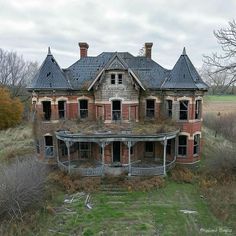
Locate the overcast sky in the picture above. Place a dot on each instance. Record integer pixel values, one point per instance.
(30, 26)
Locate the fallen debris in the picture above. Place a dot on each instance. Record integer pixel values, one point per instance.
(87, 203)
(188, 212)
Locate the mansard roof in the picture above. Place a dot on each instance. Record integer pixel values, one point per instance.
(184, 75)
(149, 74)
(50, 75)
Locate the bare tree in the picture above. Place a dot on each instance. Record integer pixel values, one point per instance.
(15, 72)
(224, 65)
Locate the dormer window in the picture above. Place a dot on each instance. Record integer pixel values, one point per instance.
(113, 79)
(120, 79)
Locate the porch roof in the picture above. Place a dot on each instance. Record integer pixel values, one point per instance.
(110, 137)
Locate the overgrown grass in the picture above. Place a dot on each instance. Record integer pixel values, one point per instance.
(16, 141)
(133, 213)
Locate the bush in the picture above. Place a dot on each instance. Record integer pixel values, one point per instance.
(22, 186)
(11, 110)
(182, 174)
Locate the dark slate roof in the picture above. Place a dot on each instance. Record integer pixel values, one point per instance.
(184, 76)
(82, 73)
(50, 76)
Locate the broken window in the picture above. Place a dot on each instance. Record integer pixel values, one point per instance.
(150, 108)
(113, 79)
(47, 110)
(63, 148)
(48, 146)
(169, 108)
(62, 109)
(116, 110)
(182, 147)
(120, 79)
(83, 105)
(84, 150)
(183, 110)
(196, 144)
(168, 147)
(198, 105)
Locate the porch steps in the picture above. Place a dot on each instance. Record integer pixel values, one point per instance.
(113, 187)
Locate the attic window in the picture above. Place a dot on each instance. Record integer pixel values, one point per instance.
(49, 73)
(113, 79)
(120, 81)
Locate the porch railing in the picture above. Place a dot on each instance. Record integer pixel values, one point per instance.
(158, 170)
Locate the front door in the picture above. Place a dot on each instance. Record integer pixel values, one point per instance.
(116, 151)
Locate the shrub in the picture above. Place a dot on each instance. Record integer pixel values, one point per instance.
(11, 110)
(21, 186)
(182, 174)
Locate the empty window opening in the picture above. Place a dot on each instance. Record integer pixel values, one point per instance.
(47, 110)
(84, 150)
(198, 106)
(169, 108)
(116, 110)
(120, 79)
(149, 147)
(113, 79)
(37, 146)
(196, 144)
(168, 147)
(62, 109)
(182, 147)
(83, 104)
(48, 146)
(183, 110)
(150, 108)
(63, 148)
(131, 150)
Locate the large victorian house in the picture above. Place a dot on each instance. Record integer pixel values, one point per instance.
(116, 112)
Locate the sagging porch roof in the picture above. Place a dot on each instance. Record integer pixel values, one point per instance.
(110, 137)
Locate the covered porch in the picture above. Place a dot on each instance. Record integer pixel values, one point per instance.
(107, 153)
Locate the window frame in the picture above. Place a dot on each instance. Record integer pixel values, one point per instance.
(151, 111)
(81, 110)
(61, 110)
(183, 112)
(86, 151)
(120, 78)
(183, 146)
(119, 112)
(113, 79)
(48, 149)
(198, 109)
(196, 145)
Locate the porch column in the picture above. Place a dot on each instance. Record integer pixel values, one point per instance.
(164, 157)
(129, 158)
(68, 151)
(103, 153)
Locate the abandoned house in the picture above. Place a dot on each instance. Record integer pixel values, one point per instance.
(116, 113)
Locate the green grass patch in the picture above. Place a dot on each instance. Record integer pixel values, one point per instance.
(134, 213)
(221, 98)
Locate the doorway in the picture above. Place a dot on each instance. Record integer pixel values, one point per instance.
(116, 151)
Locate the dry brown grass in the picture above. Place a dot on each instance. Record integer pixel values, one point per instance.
(15, 142)
(182, 174)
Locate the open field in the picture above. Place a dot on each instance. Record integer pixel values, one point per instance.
(222, 104)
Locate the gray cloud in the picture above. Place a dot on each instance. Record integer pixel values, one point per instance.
(30, 26)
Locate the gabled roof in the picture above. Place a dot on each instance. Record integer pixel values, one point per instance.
(50, 75)
(184, 76)
(150, 75)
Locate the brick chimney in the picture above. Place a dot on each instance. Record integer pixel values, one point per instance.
(83, 49)
(148, 50)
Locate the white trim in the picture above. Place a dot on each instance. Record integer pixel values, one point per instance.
(48, 134)
(197, 132)
(45, 99)
(170, 98)
(186, 134)
(151, 97)
(62, 98)
(116, 98)
(123, 102)
(83, 97)
(185, 98)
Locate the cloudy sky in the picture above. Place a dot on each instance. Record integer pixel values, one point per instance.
(30, 26)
